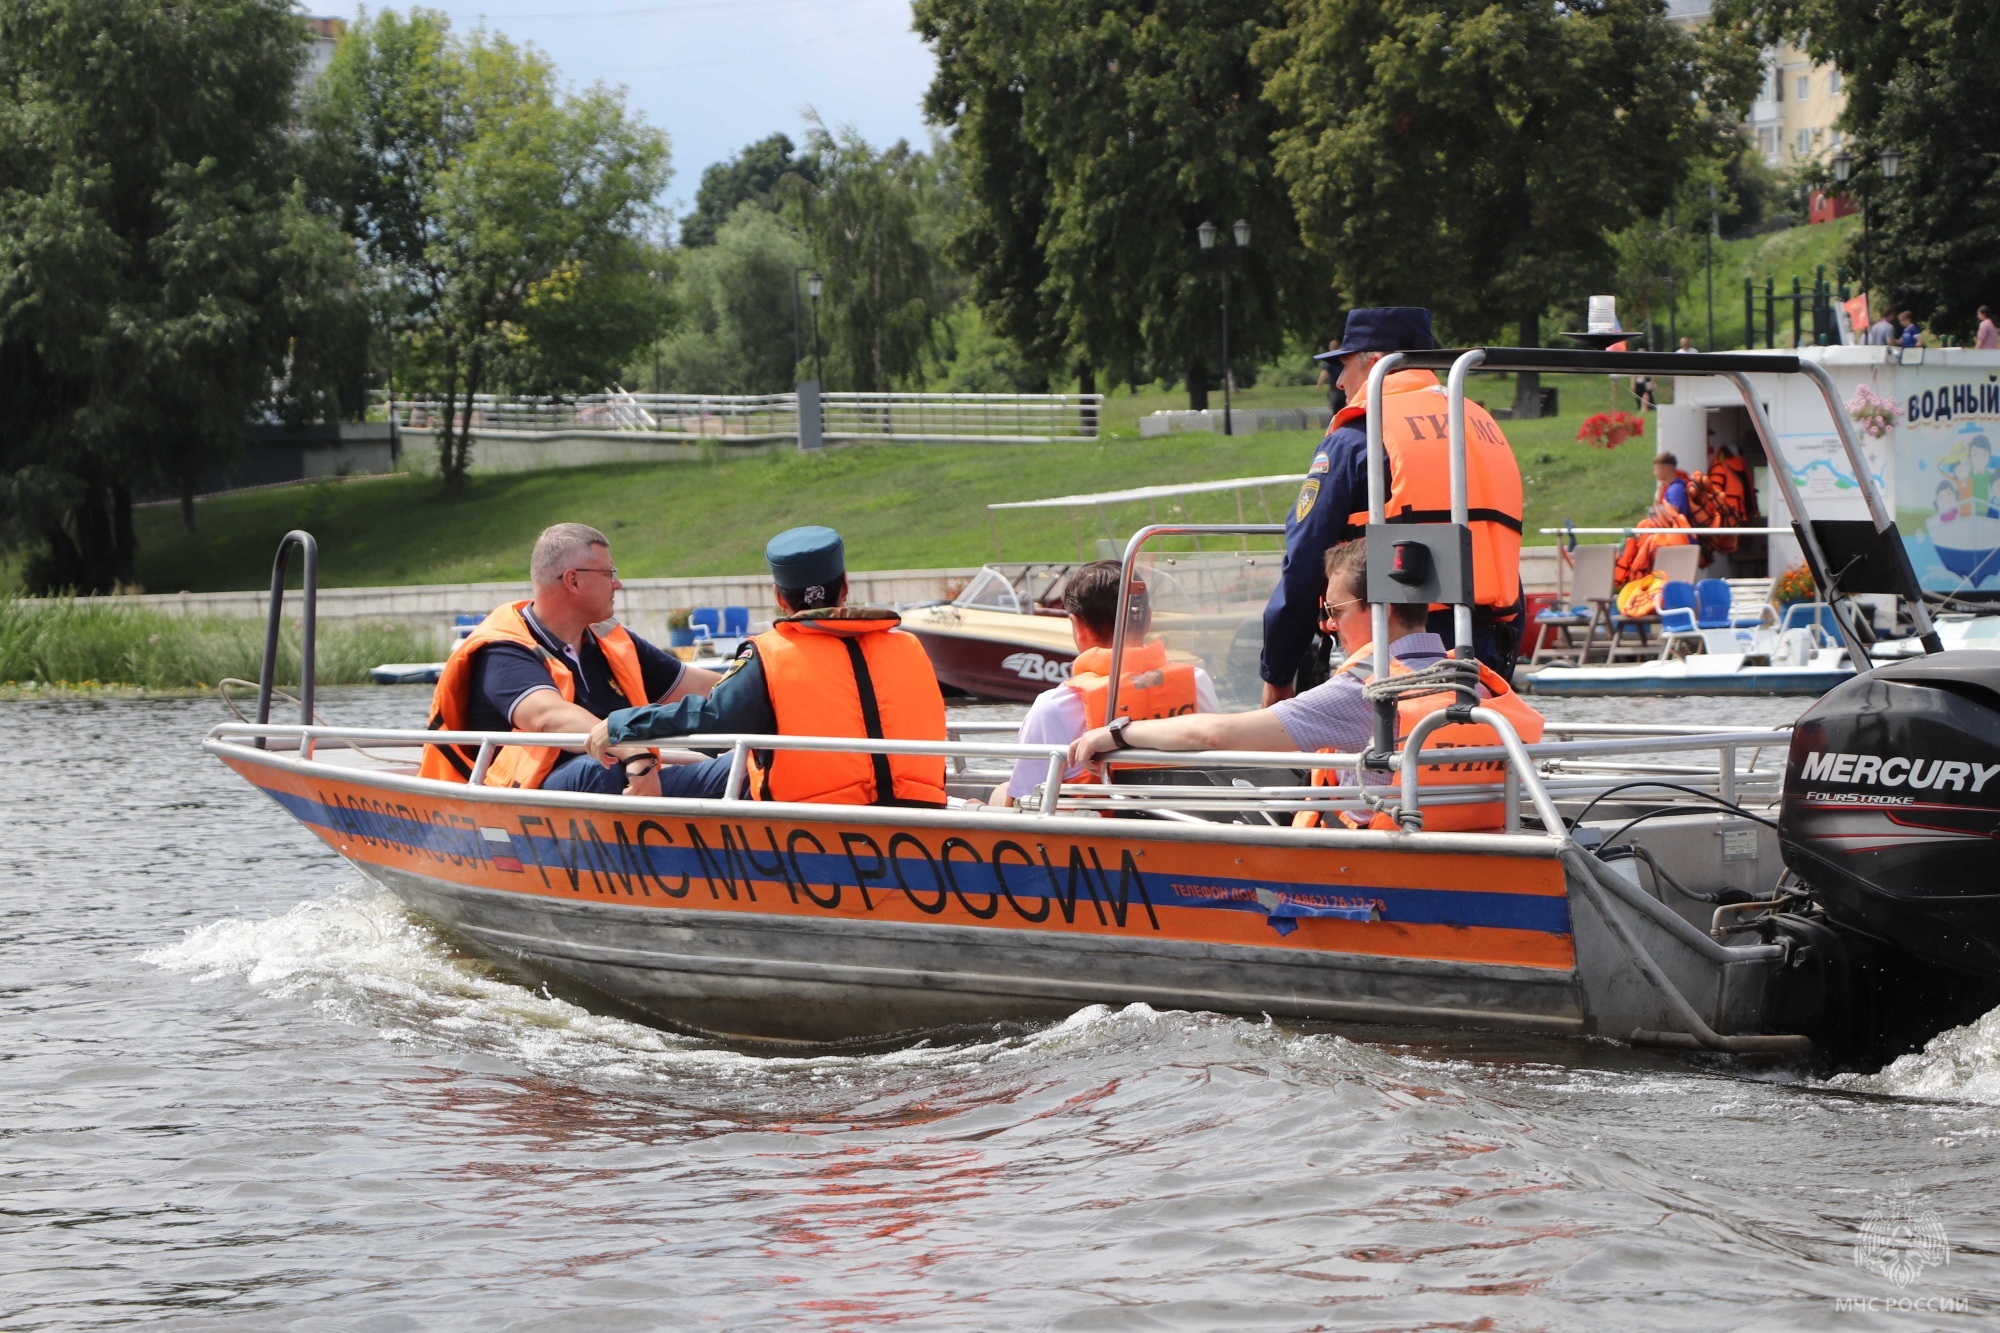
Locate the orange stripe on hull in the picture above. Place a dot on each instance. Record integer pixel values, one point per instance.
(1455, 907)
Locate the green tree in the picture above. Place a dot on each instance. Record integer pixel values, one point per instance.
(753, 176)
(1097, 136)
(1476, 156)
(159, 271)
(736, 332)
(506, 222)
(865, 225)
(1919, 77)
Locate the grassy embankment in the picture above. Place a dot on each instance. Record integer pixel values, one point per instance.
(65, 646)
(899, 507)
(1781, 255)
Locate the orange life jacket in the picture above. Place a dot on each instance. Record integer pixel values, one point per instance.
(849, 672)
(1635, 558)
(1732, 504)
(515, 765)
(1713, 504)
(1414, 434)
(1733, 474)
(1443, 775)
(1150, 686)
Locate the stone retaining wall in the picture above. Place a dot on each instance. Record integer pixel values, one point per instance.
(644, 604)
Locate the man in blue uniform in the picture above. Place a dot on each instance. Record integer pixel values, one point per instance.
(1335, 490)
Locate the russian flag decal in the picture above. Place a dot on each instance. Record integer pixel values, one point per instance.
(500, 846)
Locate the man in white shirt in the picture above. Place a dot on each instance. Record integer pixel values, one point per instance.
(1150, 685)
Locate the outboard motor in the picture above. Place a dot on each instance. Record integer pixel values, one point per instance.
(1891, 817)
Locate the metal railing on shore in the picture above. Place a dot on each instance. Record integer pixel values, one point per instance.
(963, 418)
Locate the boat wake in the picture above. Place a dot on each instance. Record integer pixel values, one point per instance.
(360, 958)
(1960, 1065)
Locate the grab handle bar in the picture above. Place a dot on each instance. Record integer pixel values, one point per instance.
(267, 677)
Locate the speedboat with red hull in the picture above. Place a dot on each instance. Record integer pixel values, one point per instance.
(1814, 890)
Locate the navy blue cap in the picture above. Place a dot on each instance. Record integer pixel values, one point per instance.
(806, 558)
(1384, 328)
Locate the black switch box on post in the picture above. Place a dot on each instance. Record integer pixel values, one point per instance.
(1420, 563)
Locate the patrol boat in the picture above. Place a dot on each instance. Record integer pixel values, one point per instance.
(1809, 890)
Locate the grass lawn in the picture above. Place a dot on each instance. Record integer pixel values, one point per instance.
(898, 506)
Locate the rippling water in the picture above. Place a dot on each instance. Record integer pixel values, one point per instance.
(242, 1089)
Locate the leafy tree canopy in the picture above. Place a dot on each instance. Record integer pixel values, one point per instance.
(1919, 77)
(738, 310)
(506, 220)
(1475, 156)
(869, 225)
(160, 276)
(1098, 136)
(753, 176)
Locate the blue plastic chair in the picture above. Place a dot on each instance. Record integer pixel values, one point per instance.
(705, 621)
(735, 621)
(1815, 616)
(1711, 604)
(1678, 597)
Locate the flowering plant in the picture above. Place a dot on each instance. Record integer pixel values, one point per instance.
(1608, 430)
(1794, 585)
(1871, 412)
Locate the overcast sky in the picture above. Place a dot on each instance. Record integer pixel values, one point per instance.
(718, 74)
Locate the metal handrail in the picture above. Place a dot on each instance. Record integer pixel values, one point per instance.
(267, 675)
(1519, 757)
(1133, 546)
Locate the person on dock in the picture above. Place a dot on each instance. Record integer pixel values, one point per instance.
(1334, 717)
(558, 662)
(1671, 488)
(1333, 499)
(1149, 685)
(824, 668)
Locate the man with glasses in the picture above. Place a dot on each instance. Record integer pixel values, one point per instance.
(558, 662)
(1332, 716)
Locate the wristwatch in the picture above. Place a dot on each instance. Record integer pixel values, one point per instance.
(1117, 729)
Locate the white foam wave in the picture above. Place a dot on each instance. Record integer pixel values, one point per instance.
(360, 958)
(1961, 1065)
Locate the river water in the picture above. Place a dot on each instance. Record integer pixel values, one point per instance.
(244, 1090)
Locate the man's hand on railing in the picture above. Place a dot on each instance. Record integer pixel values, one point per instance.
(1085, 748)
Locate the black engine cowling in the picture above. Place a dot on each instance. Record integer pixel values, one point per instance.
(1892, 814)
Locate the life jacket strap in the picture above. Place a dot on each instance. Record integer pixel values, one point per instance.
(871, 720)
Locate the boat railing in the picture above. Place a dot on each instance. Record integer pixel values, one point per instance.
(1538, 775)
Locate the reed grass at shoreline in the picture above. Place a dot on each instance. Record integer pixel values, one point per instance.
(79, 646)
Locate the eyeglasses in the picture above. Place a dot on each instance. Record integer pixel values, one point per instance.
(1328, 612)
(611, 571)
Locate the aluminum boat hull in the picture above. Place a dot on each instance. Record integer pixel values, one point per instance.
(807, 924)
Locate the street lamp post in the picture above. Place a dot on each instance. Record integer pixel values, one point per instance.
(1205, 234)
(1709, 241)
(654, 274)
(814, 286)
(1889, 162)
(1843, 168)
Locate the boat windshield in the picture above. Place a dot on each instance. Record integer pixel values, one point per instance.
(1208, 608)
(991, 590)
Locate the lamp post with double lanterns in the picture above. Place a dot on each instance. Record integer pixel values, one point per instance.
(1206, 234)
(1888, 162)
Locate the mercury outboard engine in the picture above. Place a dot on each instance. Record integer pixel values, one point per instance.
(1891, 817)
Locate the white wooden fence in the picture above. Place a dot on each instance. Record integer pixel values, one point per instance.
(945, 418)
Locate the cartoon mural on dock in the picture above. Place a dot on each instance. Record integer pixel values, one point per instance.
(1948, 480)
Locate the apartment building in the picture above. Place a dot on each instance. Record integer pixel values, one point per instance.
(322, 36)
(1792, 120)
